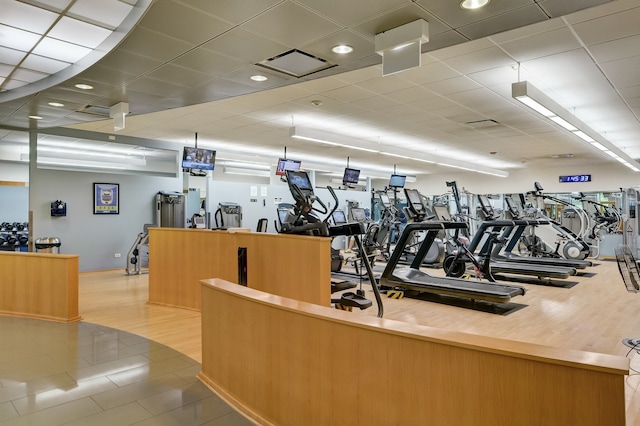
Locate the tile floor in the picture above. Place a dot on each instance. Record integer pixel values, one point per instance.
(86, 374)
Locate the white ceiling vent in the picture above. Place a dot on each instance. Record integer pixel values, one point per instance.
(296, 63)
(482, 124)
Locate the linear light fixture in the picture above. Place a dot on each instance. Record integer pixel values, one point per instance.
(319, 136)
(535, 99)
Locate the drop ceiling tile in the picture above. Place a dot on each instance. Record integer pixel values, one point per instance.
(235, 11)
(386, 84)
(210, 63)
(411, 94)
(562, 7)
(106, 12)
(480, 60)
(241, 44)
(618, 71)
(507, 21)
(429, 73)
(178, 75)
(617, 49)
(145, 43)
(375, 102)
(17, 39)
(78, 32)
(452, 85)
(544, 44)
(349, 94)
(60, 50)
(291, 25)
(443, 40)
(11, 56)
(397, 17)
(451, 14)
(351, 13)
(192, 26)
(27, 17)
(609, 27)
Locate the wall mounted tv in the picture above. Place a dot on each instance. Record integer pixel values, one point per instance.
(198, 158)
(397, 181)
(351, 176)
(285, 164)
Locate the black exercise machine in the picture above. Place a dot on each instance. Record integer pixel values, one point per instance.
(301, 219)
(413, 278)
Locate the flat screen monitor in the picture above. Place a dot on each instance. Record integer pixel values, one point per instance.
(351, 176)
(384, 198)
(358, 214)
(198, 158)
(338, 217)
(397, 181)
(300, 179)
(285, 164)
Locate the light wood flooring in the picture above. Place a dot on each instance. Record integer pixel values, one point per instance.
(594, 315)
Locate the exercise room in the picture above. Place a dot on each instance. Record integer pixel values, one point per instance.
(207, 209)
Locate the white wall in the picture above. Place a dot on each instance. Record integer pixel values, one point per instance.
(14, 172)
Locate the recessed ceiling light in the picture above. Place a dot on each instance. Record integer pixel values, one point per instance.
(56, 104)
(84, 86)
(35, 117)
(473, 4)
(342, 49)
(258, 78)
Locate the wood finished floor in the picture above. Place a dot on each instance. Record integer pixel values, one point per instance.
(594, 315)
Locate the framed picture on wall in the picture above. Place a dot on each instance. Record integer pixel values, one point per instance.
(106, 198)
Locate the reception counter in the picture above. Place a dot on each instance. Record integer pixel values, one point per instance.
(288, 265)
(39, 285)
(286, 362)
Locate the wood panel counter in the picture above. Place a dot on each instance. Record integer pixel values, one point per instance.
(293, 266)
(39, 285)
(286, 362)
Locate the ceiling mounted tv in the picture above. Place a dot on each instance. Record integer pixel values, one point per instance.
(198, 158)
(351, 176)
(397, 181)
(285, 164)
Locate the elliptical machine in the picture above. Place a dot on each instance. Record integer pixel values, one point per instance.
(301, 219)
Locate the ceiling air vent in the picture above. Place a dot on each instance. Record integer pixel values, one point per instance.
(296, 63)
(102, 111)
(482, 124)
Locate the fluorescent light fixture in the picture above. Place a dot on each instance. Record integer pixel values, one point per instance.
(79, 163)
(529, 95)
(35, 117)
(319, 136)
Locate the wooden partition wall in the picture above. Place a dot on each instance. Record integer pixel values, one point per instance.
(293, 363)
(294, 266)
(39, 285)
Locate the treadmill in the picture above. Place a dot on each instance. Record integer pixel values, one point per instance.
(512, 235)
(413, 278)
